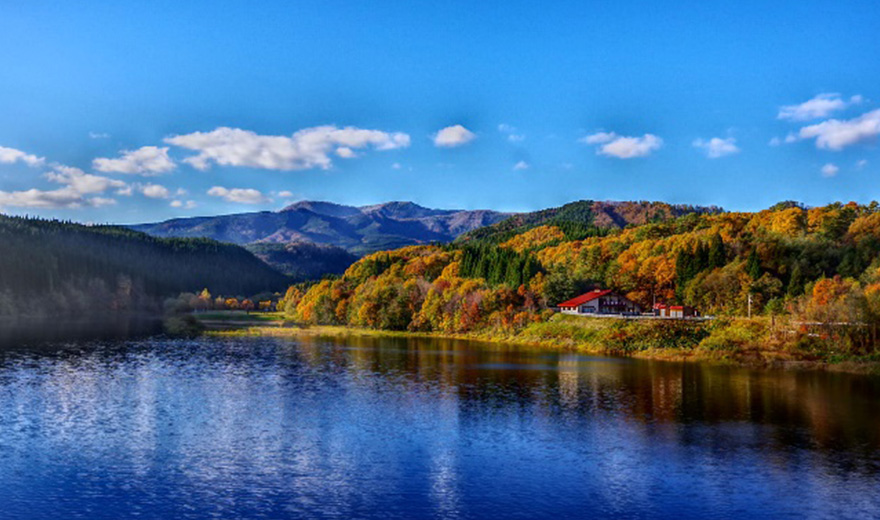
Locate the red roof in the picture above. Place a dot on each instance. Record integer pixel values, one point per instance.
(584, 298)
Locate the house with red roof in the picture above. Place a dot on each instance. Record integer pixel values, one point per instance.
(600, 301)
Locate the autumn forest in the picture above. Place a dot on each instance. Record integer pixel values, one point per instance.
(801, 280)
(815, 269)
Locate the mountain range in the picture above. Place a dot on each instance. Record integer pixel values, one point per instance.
(358, 230)
(309, 239)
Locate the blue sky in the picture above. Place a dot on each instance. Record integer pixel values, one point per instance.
(139, 111)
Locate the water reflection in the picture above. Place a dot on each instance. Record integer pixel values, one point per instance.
(41, 331)
(830, 409)
(412, 428)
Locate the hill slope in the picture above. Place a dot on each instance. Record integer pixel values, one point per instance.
(359, 230)
(303, 260)
(55, 267)
(815, 270)
(585, 218)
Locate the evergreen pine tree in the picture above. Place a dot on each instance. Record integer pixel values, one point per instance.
(530, 269)
(753, 266)
(717, 253)
(684, 270)
(702, 256)
(796, 282)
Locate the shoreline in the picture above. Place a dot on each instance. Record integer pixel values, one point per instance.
(762, 359)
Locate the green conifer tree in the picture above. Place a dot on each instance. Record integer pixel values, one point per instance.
(717, 253)
(753, 266)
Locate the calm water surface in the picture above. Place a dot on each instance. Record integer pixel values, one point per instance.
(415, 428)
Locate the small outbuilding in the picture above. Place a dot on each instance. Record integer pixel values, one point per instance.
(674, 311)
(600, 301)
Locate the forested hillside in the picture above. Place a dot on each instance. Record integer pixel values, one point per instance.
(303, 260)
(49, 267)
(585, 218)
(816, 265)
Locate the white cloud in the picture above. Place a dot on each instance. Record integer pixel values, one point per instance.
(239, 195)
(830, 170)
(623, 147)
(190, 204)
(81, 182)
(717, 147)
(286, 194)
(11, 155)
(453, 136)
(147, 160)
(835, 134)
(861, 164)
(511, 133)
(599, 138)
(97, 202)
(396, 166)
(307, 148)
(820, 106)
(34, 198)
(788, 139)
(345, 152)
(80, 189)
(155, 191)
(98, 135)
(521, 165)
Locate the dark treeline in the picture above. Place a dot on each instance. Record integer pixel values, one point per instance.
(498, 265)
(303, 260)
(689, 263)
(51, 267)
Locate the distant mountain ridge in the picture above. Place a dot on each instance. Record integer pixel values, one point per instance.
(358, 230)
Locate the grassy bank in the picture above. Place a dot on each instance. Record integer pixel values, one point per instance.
(757, 342)
(240, 317)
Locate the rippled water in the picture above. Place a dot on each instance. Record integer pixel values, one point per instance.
(415, 428)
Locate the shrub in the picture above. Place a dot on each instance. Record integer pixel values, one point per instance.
(735, 335)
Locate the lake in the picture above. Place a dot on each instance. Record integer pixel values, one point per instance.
(373, 427)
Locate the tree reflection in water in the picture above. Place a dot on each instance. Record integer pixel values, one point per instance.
(395, 427)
